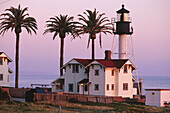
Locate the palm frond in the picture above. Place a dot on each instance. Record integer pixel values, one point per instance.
(93, 23)
(17, 18)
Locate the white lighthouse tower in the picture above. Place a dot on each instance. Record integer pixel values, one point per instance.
(123, 29)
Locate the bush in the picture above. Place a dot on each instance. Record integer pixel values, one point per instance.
(73, 100)
(4, 95)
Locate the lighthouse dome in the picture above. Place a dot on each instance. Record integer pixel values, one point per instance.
(123, 10)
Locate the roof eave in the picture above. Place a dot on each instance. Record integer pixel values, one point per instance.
(9, 70)
(92, 62)
(9, 59)
(69, 62)
(131, 63)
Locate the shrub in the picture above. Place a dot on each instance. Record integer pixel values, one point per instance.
(73, 100)
(4, 95)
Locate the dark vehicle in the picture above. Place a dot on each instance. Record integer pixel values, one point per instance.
(29, 95)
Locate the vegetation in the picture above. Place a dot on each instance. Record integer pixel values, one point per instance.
(79, 107)
(4, 95)
(93, 25)
(16, 19)
(61, 25)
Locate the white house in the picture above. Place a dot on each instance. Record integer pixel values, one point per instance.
(5, 71)
(157, 97)
(106, 77)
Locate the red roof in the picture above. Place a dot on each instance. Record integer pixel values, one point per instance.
(118, 63)
(84, 62)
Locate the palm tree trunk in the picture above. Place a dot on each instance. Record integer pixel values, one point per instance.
(61, 56)
(17, 61)
(93, 52)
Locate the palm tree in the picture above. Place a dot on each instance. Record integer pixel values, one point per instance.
(93, 25)
(16, 19)
(61, 25)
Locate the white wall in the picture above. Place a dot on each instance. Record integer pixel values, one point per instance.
(109, 79)
(73, 78)
(105, 77)
(134, 91)
(153, 98)
(97, 80)
(125, 78)
(5, 72)
(157, 97)
(165, 96)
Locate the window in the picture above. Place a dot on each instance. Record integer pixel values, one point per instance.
(1, 77)
(85, 88)
(125, 86)
(1, 62)
(70, 86)
(69, 66)
(96, 86)
(96, 72)
(57, 87)
(107, 87)
(125, 69)
(61, 86)
(92, 66)
(75, 68)
(77, 88)
(112, 72)
(80, 66)
(112, 86)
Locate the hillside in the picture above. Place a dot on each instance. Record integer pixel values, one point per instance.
(79, 107)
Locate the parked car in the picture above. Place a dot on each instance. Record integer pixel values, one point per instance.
(29, 95)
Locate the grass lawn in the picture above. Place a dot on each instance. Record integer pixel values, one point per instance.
(79, 107)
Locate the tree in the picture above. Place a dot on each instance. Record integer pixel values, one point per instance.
(61, 25)
(16, 19)
(93, 25)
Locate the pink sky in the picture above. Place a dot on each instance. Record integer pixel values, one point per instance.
(39, 54)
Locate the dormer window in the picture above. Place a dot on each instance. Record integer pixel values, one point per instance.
(96, 72)
(75, 68)
(112, 72)
(125, 68)
(1, 61)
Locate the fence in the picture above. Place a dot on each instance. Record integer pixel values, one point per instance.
(18, 92)
(82, 98)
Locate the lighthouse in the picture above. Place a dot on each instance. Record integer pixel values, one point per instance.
(123, 29)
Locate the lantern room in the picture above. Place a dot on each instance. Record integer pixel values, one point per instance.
(123, 22)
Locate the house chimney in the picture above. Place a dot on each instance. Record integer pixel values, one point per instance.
(107, 55)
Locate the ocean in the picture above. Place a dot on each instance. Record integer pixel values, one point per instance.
(149, 82)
